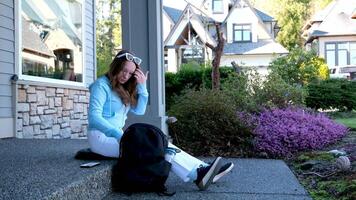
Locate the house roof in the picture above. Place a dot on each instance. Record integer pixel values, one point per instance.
(334, 20)
(195, 22)
(252, 48)
(173, 13)
(264, 16)
(236, 5)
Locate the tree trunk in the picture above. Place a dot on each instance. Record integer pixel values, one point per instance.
(218, 50)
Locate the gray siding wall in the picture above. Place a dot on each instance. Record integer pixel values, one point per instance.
(7, 56)
(90, 48)
(7, 51)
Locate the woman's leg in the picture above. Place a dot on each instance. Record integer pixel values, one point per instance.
(185, 166)
(101, 144)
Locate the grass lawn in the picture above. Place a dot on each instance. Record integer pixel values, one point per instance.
(349, 122)
(346, 118)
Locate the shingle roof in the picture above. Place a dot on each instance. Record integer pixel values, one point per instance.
(173, 13)
(264, 16)
(260, 47)
(334, 20)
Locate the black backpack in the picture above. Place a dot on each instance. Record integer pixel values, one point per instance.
(141, 166)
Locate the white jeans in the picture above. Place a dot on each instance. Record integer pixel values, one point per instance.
(183, 164)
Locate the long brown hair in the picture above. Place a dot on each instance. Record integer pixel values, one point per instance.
(127, 91)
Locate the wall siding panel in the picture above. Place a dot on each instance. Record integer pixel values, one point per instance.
(5, 101)
(6, 68)
(7, 45)
(5, 79)
(6, 10)
(90, 42)
(5, 112)
(7, 22)
(7, 34)
(9, 3)
(7, 57)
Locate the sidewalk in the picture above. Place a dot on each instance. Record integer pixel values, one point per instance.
(46, 169)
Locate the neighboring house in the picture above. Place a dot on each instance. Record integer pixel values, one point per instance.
(48, 60)
(332, 33)
(249, 34)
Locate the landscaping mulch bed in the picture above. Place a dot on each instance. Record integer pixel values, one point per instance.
(320, 174)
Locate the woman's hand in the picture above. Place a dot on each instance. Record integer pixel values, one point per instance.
(140, 76)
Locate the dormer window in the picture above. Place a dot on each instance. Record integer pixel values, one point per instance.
(242, 33)
(218, 6)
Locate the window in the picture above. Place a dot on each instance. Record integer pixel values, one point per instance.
(52, 39)
(193, 53)
(242, 33)
(340, 53)
(218, 6)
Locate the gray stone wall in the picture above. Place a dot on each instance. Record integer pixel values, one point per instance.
(49, 112)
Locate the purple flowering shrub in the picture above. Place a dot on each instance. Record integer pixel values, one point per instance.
(282, 132)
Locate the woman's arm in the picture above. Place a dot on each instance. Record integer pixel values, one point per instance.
(98, 96)
(142, 100)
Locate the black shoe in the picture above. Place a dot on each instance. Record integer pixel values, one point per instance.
(207, 173)
(223, 171)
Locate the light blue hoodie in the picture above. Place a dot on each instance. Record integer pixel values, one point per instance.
(107, 113)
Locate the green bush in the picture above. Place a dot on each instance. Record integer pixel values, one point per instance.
(332, 93)
(242, 89)
(225, 72)
(276, 93)
(300, 67)
(190, 76)
(251, 92)
(207, 125)
(187, 77)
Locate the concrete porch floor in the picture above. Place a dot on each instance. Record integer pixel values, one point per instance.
(46, 169)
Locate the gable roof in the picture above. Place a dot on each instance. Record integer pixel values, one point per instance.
(173, 13)
(253, 48)
(264, 16)
(195, 21)
(234, 7)
(334, 20)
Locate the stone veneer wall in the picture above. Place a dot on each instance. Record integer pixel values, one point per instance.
(49, 112)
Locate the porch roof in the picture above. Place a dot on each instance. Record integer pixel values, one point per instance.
(260, 47)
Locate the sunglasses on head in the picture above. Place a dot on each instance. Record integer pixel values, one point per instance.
(131, 58)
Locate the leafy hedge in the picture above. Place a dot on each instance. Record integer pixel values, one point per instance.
(300, 67)
(332, 93)
(282, 132)
(207, 125)
(190, 77)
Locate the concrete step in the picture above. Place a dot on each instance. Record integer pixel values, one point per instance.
(46, 169)
(251, 179)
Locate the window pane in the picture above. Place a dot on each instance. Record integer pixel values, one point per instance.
(342, 57)
(342, 46)
(246, 27)
(218, 6)
(238, 27)
(238, 36)
(330, 46)
(352, 53)
(52, 39)
(247, 36)
(330, 58)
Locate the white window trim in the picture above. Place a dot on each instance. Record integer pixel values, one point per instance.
(18, 61)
